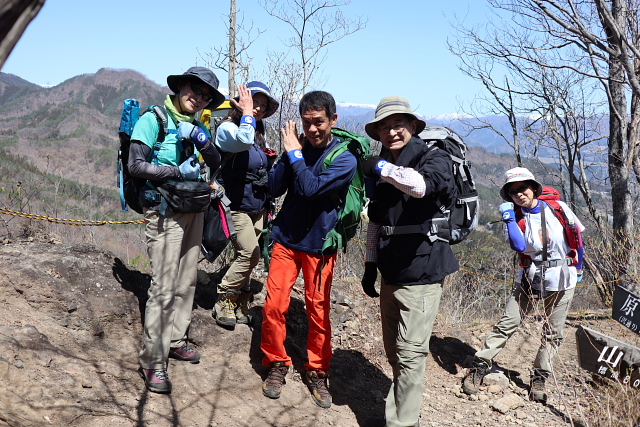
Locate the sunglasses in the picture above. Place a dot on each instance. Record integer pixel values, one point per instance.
(515, 191)
(205, 96)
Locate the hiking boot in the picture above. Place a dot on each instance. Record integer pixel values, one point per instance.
(185, 353)
(244, 315)
(156, 380)
(317, 383)
(473, 380)
(537, 391)
(224, 311)
(272, 386)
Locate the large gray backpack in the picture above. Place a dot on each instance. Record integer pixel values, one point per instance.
(463, 218)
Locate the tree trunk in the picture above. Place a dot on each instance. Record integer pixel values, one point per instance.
(232, 50)
(619, 170)
(15, 15)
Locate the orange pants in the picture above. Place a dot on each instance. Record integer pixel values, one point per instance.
(283, 272)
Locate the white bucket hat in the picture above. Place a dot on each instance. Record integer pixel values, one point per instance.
(519, 175)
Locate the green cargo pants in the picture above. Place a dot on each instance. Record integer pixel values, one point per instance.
(408, 314)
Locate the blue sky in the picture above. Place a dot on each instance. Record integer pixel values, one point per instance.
(402, 51)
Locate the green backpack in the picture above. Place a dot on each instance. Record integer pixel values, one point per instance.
(349, 209)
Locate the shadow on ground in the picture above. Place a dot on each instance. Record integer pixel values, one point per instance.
(133, 281)
(354, 380)
(450, 352)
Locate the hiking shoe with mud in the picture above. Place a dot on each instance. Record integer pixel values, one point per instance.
(156, 380)
(473, 380)
(185, 353)
(537, 392)
(243, 309)
(272, 386)
(224, 311)
(319, 387)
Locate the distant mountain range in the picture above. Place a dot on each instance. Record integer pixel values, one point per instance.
(77, 119)
(71, 128)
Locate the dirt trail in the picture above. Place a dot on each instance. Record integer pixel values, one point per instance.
(70, 330)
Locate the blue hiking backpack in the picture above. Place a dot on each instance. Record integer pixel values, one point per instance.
(128, 185)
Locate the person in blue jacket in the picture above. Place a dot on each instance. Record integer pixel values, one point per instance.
(308, 213)
(247, 160)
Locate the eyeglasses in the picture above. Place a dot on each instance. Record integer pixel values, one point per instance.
(397, 127)
(515, 191)
(205, 96)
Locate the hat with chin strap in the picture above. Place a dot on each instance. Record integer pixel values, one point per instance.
(519, 175)
(202, 74)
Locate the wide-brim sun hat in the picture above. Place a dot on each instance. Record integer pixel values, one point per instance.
(203, 74)
(258, 87)
(519, 175)
(388, 106)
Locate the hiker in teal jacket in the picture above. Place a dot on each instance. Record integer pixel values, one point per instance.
(173, 239)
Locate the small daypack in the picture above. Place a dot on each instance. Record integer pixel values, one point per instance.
(463, 218)
(128, 185)
(218, 225)
(218, 222)
(349, 209)
(572, 233)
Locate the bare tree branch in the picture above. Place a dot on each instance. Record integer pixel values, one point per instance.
(315, 24)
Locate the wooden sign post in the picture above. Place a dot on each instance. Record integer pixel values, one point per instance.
(608, 357)
(626, 309)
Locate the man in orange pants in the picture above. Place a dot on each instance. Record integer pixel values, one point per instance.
(308, 213)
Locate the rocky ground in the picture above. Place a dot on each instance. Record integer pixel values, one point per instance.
(70, 329)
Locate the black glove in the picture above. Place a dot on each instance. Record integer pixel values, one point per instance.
(369, 166)
(369, 279)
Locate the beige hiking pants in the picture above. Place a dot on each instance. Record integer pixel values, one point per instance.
(173, 244)
(408, 314)
(248, 229)
(556, 308)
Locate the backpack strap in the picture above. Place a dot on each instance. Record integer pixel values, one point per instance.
(227, 156)
(525, 260)
(341, 147)
(545, 245)
(567, 225)
(163, 122)
(430, 228)
(446, 213)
